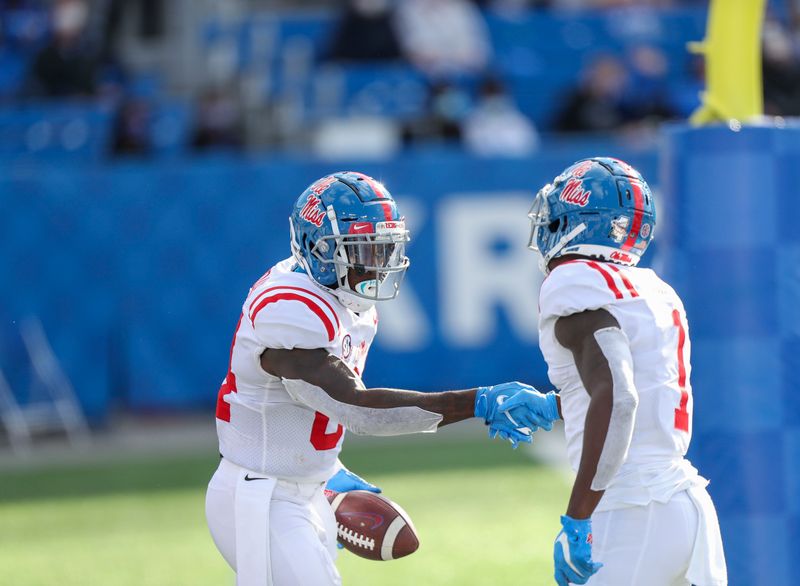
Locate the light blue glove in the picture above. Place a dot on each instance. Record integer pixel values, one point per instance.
(531, 409)
(572, 552)
(345, 481)
(487, 401)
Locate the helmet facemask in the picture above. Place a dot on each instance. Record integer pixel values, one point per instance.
(374, 261)
(545, 231)
(539, 215)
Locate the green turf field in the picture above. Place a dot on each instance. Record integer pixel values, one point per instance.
(486, 515)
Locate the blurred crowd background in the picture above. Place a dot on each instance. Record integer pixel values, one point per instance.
(95, 79)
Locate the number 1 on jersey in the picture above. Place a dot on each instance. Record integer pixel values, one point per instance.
(682, 412)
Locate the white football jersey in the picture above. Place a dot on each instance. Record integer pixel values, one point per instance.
(260, 427)
(652, 316)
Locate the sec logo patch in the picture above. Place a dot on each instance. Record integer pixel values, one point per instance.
(347, 346)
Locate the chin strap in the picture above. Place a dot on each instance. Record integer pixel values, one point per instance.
(341, 273)
(295, 246)
(566, 239)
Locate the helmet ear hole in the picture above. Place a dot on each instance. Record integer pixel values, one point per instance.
(554, 225)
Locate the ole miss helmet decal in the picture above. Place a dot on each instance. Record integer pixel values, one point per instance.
(323, 184)
(574, 193)
(311, 213)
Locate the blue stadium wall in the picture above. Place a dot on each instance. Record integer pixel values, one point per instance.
(138, 270)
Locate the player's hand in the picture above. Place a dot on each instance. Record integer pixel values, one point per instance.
(344, 481)
(512, 435)
(572, 552)
(531, 409)
(487, 401)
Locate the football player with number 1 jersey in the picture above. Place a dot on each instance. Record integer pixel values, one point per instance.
(294, 384)
(616, 342)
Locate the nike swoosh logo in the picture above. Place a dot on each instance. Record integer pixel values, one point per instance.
(247, 477)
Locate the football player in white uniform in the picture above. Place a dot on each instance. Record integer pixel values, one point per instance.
(616, 343)
(294, 384)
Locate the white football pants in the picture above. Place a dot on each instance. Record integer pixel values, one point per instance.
(676, 543)
(272, 532)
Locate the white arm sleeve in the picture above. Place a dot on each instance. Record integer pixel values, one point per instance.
(615, 347)
(364, 420)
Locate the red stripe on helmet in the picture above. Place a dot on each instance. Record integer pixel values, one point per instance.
(638, 202)
(381, 192)
(387, 211)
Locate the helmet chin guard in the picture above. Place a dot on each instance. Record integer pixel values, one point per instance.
(353, 302)
(600, 208)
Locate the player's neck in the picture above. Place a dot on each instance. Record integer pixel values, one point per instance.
(560, 260)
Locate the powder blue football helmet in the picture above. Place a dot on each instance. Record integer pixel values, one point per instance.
(349, 221)
(599, 207)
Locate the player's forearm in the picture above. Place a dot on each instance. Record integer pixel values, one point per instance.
(453, 406)
(583, 499)
(382, 411)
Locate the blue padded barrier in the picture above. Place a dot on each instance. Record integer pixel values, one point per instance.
(733, 245)
(138, 270)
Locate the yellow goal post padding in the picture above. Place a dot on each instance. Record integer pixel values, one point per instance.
(732, 50)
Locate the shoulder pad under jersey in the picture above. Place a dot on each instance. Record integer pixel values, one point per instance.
(582, 285)
(292, 313)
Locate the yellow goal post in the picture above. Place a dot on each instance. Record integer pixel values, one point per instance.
(732, 51)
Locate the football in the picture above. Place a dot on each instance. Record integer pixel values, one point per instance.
(372, 526)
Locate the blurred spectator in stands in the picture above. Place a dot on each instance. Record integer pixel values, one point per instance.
(781, 71)
(444, 38)
(597, 104)
(365, 32)
(448, 106)
(684, 92)
(23, 23)
(647, 101)
(601, 4)
(496, 127)
(66, 66)
(132, 128)
(150, 15)
(218, 122)
(513, 7)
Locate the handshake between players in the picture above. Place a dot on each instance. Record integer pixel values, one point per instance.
(514, 411)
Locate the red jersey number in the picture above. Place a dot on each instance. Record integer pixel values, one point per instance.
(319, 438)
(682, 412)
(228, 385)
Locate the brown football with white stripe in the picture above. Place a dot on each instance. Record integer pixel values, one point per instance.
(372, 526)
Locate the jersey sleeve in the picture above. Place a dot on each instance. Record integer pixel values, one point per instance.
(293, 319)
(575, 287)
